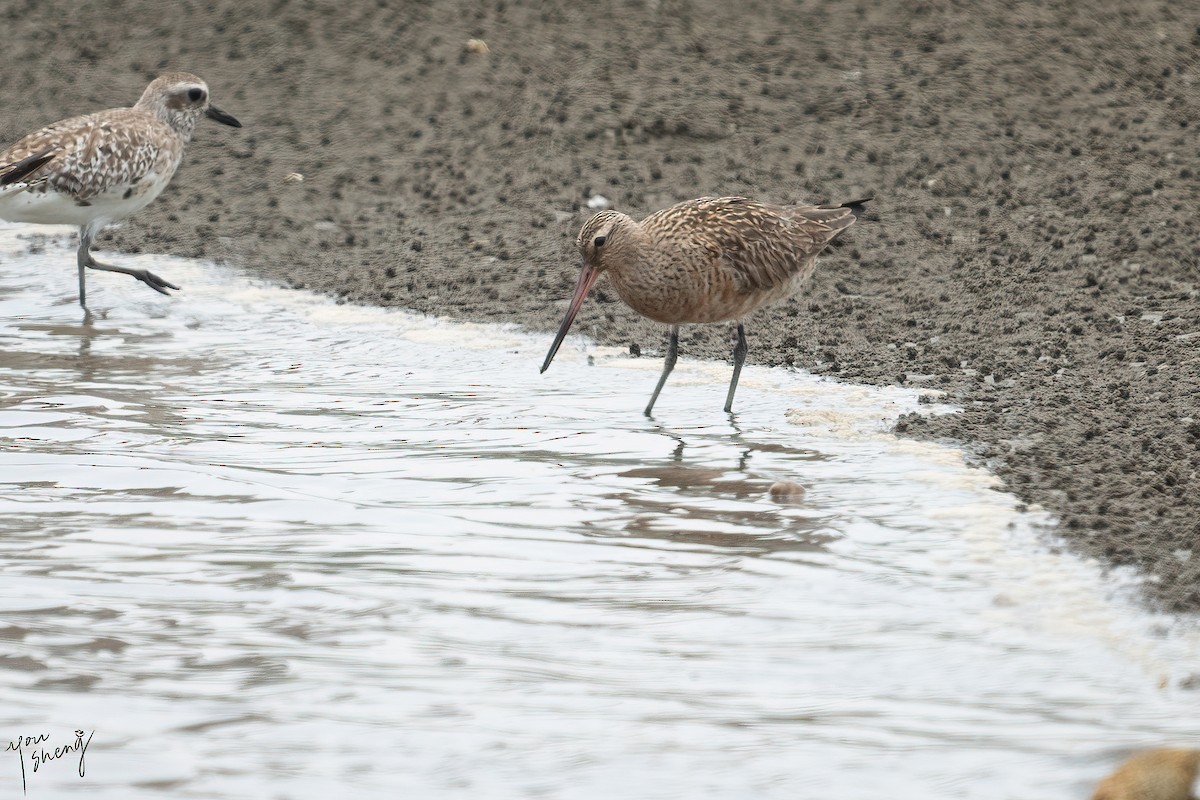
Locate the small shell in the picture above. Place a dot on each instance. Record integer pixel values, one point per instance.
(294, 177)
(477, 46)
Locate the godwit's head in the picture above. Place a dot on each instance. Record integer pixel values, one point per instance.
(598, 236)
(599, 244)
(179, 99)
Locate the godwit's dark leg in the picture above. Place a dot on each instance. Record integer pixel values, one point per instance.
(739, 358)
(86, 261)
(672, 354)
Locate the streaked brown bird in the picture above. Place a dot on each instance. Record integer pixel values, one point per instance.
(714, 259)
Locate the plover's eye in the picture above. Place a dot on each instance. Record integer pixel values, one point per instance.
(195, 95)
(599, 241)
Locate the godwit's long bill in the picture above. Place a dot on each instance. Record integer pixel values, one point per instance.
(714, 259)
(109, 165)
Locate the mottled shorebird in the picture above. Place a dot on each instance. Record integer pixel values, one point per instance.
(111, 164)
(714, 259)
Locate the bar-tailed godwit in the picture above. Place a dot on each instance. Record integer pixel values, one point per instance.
(714, 259)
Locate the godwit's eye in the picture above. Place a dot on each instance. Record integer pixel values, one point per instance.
(599, 241)
(195, 95)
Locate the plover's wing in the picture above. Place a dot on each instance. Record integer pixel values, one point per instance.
(100, 152)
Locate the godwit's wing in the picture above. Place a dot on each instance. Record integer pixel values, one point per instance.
(761, 246)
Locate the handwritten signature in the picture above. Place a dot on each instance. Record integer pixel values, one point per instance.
(39, 755)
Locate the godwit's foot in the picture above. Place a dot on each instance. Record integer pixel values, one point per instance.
(739, 358)
(672, 355)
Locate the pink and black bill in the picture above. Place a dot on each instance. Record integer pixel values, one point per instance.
(587, 276)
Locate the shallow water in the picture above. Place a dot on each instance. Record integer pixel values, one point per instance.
(268, 546)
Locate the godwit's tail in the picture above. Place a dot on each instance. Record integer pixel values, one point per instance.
(835, 217)
(857, 207)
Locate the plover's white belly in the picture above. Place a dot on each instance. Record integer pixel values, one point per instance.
(45, 205)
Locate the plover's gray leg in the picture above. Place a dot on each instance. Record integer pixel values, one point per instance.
(668, 365)
(85, 260)
(739, 358)
(82, 257)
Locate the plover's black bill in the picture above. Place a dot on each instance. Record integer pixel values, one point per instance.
(222, 117)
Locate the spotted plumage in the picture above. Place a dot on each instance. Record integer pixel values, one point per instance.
(111, 164)
(712, 259)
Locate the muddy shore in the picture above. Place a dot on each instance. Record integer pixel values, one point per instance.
(1032, 251)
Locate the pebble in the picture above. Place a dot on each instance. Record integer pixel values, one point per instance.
(786, 492)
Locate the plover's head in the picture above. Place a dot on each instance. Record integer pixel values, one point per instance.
(179, 99)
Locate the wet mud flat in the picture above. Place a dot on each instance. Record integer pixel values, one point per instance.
(1032, 251)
